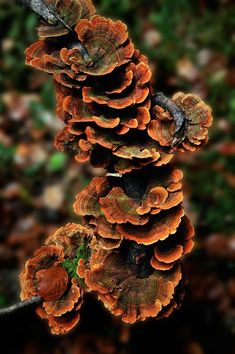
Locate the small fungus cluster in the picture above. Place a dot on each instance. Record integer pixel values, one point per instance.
(129, 251)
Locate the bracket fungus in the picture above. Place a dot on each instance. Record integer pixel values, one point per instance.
(136, 232)
(50, 275)
(126, 294)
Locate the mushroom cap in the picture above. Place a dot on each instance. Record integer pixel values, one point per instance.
(70, 237)
(87, 202)
(52, 283)
(44, 258)
(119, 208)
(106, 42)
(167, 252)
(153, 214)
(67, 142)
(72, 107)
(159, 227)
(106, 233)
(65, 304)
(62, 324)
(45, 57)
(199, 119)
(126, 295)
(136, 94)
(70, 11)
(46, 275)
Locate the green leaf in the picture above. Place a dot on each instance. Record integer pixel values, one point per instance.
(57, 162)
(70, 265)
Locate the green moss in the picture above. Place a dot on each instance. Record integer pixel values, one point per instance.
(70, 265)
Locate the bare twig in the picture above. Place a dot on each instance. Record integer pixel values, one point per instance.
(41, 9)
(19, 305)
(179, 117)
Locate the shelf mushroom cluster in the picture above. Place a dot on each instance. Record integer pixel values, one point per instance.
(135, 229)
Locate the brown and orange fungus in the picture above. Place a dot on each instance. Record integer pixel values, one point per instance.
(46, 275)
(167, 252)
(152, 214)
(126, 295)
(107, 43)
(129, 251)
(60, 325)
(139, 92)
(46, 258)
(159, 227)
(199, 119)
(70, 237)
(52, 283)
(70, 11)
(87, 202)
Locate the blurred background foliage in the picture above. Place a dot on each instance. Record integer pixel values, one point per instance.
(191, 47)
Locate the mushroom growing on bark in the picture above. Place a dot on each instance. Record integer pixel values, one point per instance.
(129, 251)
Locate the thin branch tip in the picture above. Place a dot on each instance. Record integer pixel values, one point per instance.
(20, 305)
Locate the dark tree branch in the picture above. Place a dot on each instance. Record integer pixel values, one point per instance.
(11, 309)
(179, 117)
(41, 9)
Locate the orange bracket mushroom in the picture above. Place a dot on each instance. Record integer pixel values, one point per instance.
(136, 232)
